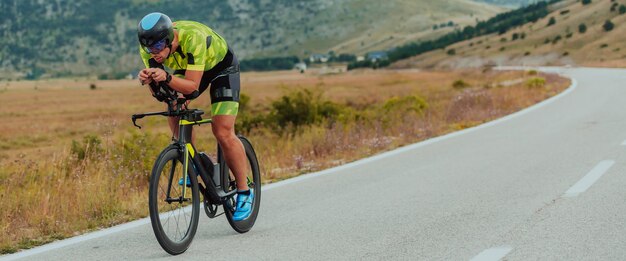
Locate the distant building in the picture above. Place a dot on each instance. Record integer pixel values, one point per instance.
(319, 58)
(132, 75)
(377, 56)
(301, 66)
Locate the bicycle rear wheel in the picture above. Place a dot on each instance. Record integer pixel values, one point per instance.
(174, 216)
(254, 182)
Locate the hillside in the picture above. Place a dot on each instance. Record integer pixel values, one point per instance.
(577, 38)
(62, 38)
(510, 3)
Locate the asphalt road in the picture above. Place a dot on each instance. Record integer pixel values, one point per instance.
(548, 183)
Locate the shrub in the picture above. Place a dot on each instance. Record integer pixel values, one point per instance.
(138, 151)
(536, 82)
(552, 21)
(622, 9)
(451, 52)
(405, 104)
(460, 84)
(91, 146)
(532, 72)
(582, 28)
(301, 108)
(586, 2)
(246, 120)
(608, 25)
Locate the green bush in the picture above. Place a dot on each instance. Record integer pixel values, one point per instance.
(138, 152)
(246, 120)
(460, 84)
(299, 108)
(90, 147)
(582, 28)
(406, 104)
(536, 82)
(608, 25)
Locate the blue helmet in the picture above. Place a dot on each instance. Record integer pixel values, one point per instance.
(155, 27)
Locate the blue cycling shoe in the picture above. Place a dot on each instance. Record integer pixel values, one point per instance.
(180, 182)
(244, 206)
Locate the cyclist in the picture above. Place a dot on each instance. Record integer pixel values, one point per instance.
(199, 57)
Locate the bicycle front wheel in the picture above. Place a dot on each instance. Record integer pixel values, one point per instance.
(174, 204)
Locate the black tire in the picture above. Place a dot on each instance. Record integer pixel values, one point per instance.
(168, 169)
(254, 182)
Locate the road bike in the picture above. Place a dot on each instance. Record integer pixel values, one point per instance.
(175, 204)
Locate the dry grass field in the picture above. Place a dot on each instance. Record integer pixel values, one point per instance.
(71, 161)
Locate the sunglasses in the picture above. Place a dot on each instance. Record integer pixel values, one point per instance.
(156, 47)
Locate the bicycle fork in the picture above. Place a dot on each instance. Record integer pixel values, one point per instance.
(188, 151)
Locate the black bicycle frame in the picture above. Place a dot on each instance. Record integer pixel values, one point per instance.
(188, 118)
(214, 191)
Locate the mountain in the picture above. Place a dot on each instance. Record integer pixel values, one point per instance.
(572, 33)
(82, 37)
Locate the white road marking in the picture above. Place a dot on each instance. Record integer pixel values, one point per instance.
(588, 180)
(145, 221)
(495, 253)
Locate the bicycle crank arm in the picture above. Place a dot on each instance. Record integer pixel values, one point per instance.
(223, 195)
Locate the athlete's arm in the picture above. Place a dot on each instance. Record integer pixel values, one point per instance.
(186, 85)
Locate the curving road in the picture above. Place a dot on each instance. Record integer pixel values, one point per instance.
(545, 183)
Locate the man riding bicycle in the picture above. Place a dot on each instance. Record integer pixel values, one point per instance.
(199, 57)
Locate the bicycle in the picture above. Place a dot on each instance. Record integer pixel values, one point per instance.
(168, 197)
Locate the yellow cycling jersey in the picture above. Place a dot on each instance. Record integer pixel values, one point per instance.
(200, 48)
